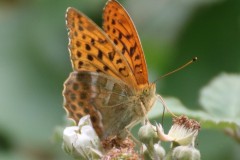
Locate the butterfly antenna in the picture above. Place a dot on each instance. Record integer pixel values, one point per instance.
(183, 66)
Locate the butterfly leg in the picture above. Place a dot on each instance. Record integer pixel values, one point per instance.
(127, 130)
(144, 112)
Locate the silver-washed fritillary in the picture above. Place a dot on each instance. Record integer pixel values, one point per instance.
(110, 78)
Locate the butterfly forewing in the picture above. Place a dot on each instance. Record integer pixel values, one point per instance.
(120, 28)
(92, 50)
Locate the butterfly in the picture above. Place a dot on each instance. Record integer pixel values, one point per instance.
(110, 78)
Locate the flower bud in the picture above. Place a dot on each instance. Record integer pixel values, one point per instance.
(147, 134)
(157, 154)
(186, 153)
(159, 151)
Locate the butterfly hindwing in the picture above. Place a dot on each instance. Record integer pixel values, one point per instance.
(104, 98)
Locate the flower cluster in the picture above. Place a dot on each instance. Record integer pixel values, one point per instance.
(82, 142)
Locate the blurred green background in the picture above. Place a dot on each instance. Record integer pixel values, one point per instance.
(34, 63)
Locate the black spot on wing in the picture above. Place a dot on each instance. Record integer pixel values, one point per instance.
(88, 47)
(137, 57)
(100, 54)
(79, 54)
(132, 50)
(78, 44)
(73, 107)
(80, 28)
(105, 68)
(83, 95)
(111, 55)
(89, 57)
(119, 61)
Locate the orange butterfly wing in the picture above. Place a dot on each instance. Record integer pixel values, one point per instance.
(120, 28)
(92, 50)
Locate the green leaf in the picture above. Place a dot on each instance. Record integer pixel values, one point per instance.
(220, 100)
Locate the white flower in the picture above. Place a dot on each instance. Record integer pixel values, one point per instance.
(183, 132)
(82, 141)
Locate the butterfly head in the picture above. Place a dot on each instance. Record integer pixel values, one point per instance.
(148, 96)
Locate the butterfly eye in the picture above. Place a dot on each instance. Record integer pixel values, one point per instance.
(145, 92)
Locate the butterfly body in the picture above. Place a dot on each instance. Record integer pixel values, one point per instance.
(110, 79)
